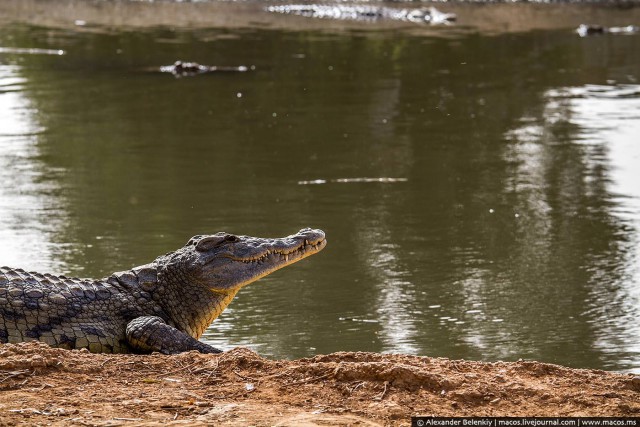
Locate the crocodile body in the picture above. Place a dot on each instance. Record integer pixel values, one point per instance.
(429, 15)
(162, 306)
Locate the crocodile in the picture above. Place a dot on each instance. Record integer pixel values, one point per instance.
(188, 69)
(163, 306)
(429, 15)
(585, 30)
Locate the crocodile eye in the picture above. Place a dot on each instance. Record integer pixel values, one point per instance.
(209, 242)
(231, 238)
(192, 241)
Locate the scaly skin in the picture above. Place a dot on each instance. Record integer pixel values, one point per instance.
(429, 15)
(163, 306)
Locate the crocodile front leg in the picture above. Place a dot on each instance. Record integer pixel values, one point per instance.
(150, 333)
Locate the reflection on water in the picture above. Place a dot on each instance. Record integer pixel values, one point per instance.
(608, 118)
(27, 208)
(487, 206)
(564, 237)
(31, 51)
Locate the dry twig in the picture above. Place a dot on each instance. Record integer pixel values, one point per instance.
(309, 380)
(384, 392)
(13, 374)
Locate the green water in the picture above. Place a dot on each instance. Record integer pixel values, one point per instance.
(511, 230)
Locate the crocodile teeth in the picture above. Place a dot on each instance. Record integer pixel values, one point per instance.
(286, 257)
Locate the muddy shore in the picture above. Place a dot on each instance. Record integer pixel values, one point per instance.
(43, 385)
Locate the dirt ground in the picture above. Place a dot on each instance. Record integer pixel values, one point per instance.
(47, 386)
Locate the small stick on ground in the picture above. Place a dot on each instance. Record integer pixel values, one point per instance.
(357, 386)
(309, 380)
(10, 375)
(243, 377)
(177, 370)
(384, 392)
(106, 361)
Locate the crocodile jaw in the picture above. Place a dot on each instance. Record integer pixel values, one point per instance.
(250, 259)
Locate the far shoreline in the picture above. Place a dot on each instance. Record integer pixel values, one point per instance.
(473, 16)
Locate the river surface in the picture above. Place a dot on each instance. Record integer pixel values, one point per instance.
(480, 191)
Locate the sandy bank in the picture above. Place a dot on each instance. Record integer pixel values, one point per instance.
(39, 384)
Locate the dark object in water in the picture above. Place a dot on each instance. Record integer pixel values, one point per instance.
(585, 30)
(187, 69)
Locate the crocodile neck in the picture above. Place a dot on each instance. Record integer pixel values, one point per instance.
(190, 306)
(187, 305)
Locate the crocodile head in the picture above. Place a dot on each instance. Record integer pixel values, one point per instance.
(224, 262)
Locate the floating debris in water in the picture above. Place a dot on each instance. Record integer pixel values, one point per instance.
(313, 182)
(613, 91)
(598, 91)
(351, 180)
(31, 51)
(353, 319)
